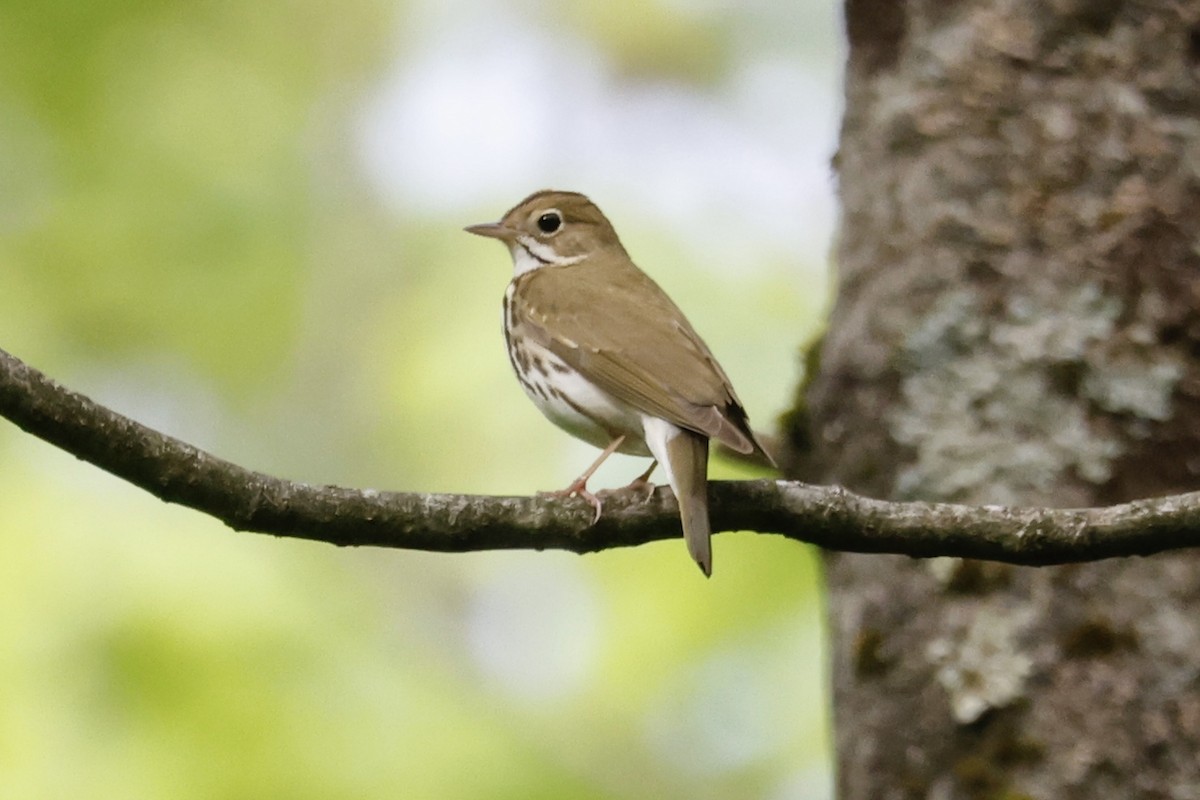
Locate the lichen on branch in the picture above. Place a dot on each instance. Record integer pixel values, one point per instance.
(830, 517)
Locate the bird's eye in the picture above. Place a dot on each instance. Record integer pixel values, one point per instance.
(550, 222)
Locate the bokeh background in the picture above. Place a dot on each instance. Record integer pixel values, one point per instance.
(240, 223)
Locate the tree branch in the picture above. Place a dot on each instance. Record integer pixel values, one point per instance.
(831, 517)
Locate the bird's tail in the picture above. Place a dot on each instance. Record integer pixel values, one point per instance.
(687, 472)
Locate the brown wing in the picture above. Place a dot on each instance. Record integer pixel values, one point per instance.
(622, 332)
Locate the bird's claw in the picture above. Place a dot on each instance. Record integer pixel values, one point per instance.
(641, 484)
(578, 489)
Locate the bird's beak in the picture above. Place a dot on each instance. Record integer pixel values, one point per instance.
(492, 230)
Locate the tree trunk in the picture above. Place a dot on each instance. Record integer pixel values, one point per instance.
(1017, 322)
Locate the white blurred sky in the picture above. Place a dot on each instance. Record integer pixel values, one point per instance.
(484, 104)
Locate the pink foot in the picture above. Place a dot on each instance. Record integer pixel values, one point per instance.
(641, 484)
(578, 489)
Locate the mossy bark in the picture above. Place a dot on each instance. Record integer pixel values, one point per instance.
(1018, 321)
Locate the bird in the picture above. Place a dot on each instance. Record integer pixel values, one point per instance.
(607, 356)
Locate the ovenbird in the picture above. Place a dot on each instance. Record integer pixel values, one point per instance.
(607, 357)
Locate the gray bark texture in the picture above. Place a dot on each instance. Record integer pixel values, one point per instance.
(1018, 322)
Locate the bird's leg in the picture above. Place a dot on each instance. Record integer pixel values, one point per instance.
(643, 481)
(638, 484)
(579, 488)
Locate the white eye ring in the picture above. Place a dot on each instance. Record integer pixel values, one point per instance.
(549, 222)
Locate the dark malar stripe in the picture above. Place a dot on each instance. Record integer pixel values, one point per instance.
(535, 256)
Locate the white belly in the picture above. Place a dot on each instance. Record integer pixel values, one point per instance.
(578, 406)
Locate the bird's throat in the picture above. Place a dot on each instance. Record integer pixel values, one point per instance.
(529, 254)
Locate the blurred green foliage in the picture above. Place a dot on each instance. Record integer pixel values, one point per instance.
(182, 237)
(158, 155)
